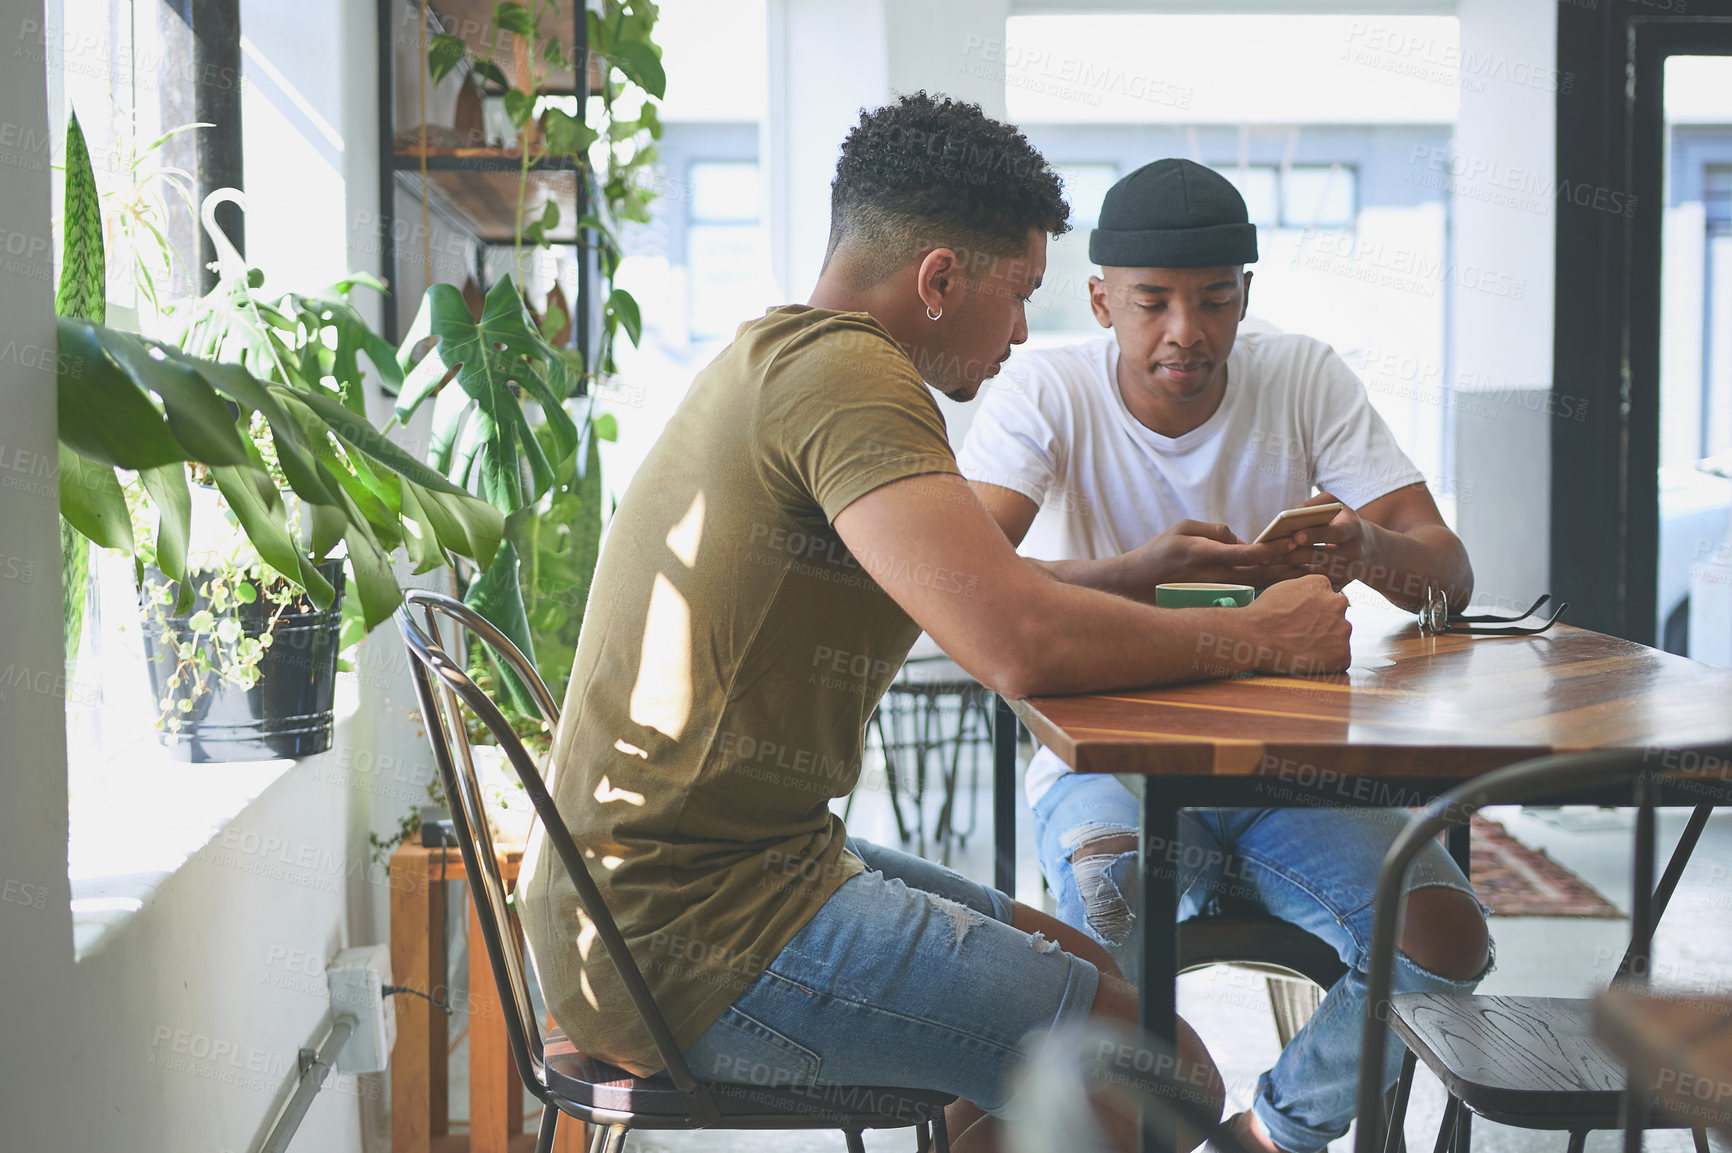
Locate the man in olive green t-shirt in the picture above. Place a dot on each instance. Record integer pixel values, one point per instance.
(797, 525)
(732, 656)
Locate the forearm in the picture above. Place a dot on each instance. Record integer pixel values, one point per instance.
(1401, 564)
(1107, 575)
(1071, 639)
(1022, 633)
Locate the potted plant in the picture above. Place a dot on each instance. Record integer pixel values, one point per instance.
(276, 437)
(248, 671)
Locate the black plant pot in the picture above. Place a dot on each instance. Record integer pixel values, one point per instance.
(287, 712)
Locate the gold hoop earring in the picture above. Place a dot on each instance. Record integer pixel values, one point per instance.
(930, 315)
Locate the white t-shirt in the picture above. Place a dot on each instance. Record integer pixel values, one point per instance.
(1054, 427)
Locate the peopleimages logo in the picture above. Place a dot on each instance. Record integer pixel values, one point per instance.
(1405, 269)
(1073, 78)
(1510, 185)
(86, 54)
(1425, 57)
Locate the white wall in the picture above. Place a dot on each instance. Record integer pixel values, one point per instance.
(37, 998)
(1294, 67)
(190, 1014)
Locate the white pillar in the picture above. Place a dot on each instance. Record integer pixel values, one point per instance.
(1502, 269)
(944, 48)
(828, 60)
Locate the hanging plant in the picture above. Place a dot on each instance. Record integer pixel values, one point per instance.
(282, 436)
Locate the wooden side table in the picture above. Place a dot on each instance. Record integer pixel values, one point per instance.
(420, 1115)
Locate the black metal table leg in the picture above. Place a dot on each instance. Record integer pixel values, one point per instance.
(1459, 841)
(1637, 964)
(1157, 921)
(1004, 724)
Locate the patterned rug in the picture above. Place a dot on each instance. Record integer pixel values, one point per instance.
(1516, 881)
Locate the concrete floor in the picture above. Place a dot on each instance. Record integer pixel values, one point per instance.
(1549, 955)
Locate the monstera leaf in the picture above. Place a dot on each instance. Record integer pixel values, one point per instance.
(341, 361)
(498, 597)
(486, 441)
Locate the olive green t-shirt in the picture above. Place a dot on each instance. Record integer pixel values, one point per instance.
(731, 654)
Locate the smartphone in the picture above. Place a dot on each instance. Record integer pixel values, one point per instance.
(1290, 521)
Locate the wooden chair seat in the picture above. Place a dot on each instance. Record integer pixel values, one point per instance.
(655, 1103)
(1528, 1062)
(1532, 1062)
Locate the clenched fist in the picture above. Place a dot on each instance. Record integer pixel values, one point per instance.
(1299, 626)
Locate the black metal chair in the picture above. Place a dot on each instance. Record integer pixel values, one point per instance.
(932, 712)
(1530, 1062)
(1297, 967)
(565, 1080)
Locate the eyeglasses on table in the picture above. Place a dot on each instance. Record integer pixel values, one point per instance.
(1435, 617)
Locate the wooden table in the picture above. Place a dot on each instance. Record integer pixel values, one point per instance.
(1677, 1045)
(1413, 716)
(419, 1108)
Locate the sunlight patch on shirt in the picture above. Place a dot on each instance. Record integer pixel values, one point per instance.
(630, 750)
(683, 538)
(606, 791)
(662, 697)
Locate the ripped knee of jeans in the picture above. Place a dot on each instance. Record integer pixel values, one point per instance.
(1104, 905)
(1444, 935)
(962, 918)
(1079, 841)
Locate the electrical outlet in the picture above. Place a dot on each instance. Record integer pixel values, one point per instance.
(357, 979)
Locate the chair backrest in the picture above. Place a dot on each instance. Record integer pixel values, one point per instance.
(1529, 780)
(442, 714)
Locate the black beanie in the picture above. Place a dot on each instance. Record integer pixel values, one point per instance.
(1173, 214)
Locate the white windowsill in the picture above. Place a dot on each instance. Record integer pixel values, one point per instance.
(137, 812)
(136, 819)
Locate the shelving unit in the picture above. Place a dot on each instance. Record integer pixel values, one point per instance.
(477, 186)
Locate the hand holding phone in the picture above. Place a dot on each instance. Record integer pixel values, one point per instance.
(1289, 521)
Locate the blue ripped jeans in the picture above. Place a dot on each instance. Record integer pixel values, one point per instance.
(909, 975)
(1316, 868)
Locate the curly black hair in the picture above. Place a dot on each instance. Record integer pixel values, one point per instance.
(929, 171)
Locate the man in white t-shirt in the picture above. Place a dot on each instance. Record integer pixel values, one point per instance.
(1152, 455)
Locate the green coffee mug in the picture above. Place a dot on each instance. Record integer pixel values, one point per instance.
(1203, 595)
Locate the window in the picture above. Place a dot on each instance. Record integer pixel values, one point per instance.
(1313, 196)
(726, 245)
(1716, 429)
(1298, 196)
(1062, 303)
(126, 69)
